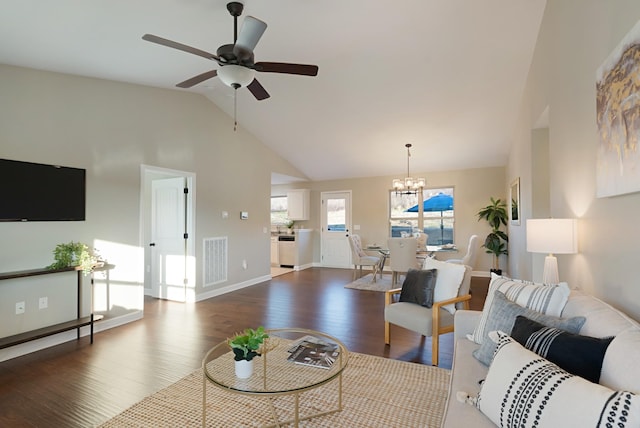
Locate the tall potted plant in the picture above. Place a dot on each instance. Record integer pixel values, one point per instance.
(496, 242)
(245, 347)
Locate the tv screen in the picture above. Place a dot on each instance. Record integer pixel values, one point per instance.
(38, 192)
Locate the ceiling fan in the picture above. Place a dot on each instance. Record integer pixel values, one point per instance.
(236, 61)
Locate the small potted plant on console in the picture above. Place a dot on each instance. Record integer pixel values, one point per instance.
(75, 254)
(245, 347)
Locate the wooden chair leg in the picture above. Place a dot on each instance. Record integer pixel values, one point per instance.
(387, 333)
(435, 349)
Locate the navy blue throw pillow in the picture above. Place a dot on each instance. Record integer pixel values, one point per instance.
(418, 287)
(579, 355)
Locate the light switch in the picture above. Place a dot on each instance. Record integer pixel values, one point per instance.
(225, 214)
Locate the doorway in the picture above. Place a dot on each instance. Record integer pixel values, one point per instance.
(168, 232)
(336, 224)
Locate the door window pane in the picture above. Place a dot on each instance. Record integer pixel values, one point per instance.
(336, 215)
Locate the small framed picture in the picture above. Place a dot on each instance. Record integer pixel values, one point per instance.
(244, 215)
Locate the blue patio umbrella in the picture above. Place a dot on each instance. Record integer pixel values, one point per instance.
(439, 202)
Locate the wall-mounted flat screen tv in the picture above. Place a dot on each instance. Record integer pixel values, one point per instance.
(39, 192)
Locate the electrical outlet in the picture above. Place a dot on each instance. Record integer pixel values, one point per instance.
(43, 303)
(20, 308)
(244, 264)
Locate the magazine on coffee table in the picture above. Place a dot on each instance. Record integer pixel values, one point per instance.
(313, 342)
(315, 356)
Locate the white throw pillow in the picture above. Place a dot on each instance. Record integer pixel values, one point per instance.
(524, 390)
(620, 365)
(548, 299)
(448, 280)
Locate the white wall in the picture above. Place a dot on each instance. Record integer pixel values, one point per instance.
(575, 38)
(110, 129)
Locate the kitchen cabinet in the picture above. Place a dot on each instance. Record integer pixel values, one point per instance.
(298, 202)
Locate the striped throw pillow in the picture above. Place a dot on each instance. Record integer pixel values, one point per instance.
(548, 299)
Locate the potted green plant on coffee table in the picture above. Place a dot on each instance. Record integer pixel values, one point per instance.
(245, 346)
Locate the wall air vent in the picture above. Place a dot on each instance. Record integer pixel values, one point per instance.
(214, 260)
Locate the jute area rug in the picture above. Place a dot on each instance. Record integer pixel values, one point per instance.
(381, 284)
(376, 392)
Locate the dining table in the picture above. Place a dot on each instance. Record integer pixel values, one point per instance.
(429, 251)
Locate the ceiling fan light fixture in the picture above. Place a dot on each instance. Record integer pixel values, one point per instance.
(236, 76)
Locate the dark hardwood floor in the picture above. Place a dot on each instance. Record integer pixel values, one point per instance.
(77, 384)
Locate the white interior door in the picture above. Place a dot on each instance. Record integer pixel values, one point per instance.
(168, 238)
(336, 223)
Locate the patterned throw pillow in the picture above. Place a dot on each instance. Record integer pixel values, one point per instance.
(579, 355)
(543, 298)
(502, 316)
(524, 390)
(418, 287)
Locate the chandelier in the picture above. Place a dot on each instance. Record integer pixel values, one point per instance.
(410, 185)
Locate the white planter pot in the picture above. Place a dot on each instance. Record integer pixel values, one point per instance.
(244, 369)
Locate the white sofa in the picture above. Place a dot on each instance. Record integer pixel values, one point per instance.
(619, 371)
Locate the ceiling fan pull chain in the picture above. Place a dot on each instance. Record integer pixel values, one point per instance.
(235, 109)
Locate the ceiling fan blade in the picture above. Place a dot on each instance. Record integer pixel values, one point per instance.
(257, 90)
(283, 67)
(197, 79)
(179, 46)
(250, 33)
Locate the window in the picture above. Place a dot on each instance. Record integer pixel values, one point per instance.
(279, 214)
(437, 224)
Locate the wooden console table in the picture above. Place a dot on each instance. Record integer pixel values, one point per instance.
(16, 339)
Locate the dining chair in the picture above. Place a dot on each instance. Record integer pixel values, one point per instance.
(469, 259)
(402, 252)
(422, 247)
(360, 258)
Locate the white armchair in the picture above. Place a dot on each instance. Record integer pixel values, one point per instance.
(432, 321)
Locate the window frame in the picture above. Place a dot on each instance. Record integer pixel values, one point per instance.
(279, 220)
(412, 219)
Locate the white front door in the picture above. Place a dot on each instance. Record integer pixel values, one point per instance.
(336, 223)
(168, 238)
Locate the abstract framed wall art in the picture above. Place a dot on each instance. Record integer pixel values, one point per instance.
(618, 119)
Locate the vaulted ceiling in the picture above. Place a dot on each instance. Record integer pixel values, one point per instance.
(444, 75)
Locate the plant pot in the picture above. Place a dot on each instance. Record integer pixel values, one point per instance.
(244, 369)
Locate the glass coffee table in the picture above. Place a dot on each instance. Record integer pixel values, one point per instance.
(274, 375)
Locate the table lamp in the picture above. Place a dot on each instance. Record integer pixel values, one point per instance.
(552, 236)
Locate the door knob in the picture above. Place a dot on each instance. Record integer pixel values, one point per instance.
(153, 244)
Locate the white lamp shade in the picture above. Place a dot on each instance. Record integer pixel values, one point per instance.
(236, 75)
(552, 235)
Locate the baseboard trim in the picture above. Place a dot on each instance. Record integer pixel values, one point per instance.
(232, 287)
